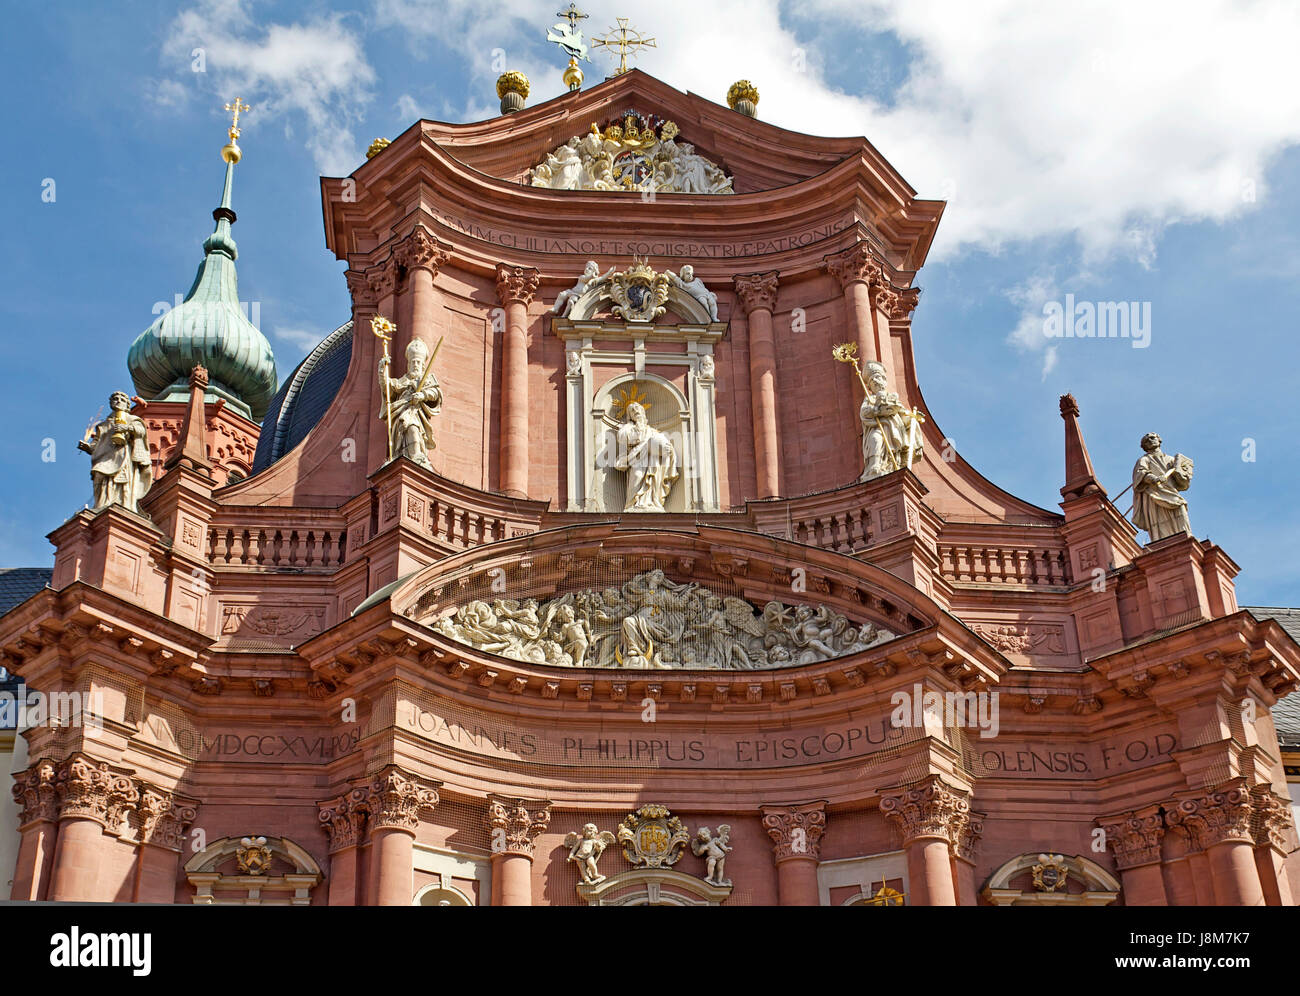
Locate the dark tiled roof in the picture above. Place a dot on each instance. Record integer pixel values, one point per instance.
(1286, 714)
(303, 397)
(17, 584)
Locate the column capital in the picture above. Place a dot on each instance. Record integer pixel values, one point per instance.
(896, 302)
(1219, 815)
(967, 829)
(396, 799)
(363, 295)
(344, 818)
(1272, 824)
(382, 278)
(796, 831)
(89, 790)
(421, 251)
(756, 291)
(35, 792)
(516, 823)
(926, 808)
(858, 264)
(516, 284)
(164, 816)
(1134, 837)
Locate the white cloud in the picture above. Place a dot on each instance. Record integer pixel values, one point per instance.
(315, 69)
(1029, 336)
(304, 340)
(1101, 120)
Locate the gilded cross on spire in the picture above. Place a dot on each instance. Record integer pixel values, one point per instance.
(236, 107)
(230, 152)
(623, 40)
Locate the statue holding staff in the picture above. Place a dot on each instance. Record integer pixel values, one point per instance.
(891, 434)
(410, 401)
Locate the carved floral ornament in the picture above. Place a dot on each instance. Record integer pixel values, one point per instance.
(651, 622)
(631, 151)
(82, 788)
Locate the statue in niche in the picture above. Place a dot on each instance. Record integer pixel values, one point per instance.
(891, 434)
(714, 850)
(585, 850)
(120, 467)
(649, 459)
(410, 403)
(694, 286)
(1157, 480)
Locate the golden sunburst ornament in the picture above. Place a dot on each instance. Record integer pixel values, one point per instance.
(626, 396)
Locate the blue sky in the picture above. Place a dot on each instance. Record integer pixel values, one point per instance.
(1098, 151)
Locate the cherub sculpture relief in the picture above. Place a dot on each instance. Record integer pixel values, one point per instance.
(585, 850)
(714, 850)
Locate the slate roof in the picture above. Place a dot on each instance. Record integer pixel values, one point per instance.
(17, 584)
(304, 397)
(1286, 714)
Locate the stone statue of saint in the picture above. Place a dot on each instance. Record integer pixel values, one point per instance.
(694, 286)
(648, 457)
(410, 402)
(567, 298)
(1157, 480)
(120, 467)
(891, 435)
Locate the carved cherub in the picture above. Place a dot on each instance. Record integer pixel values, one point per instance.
(714, 850)
(585, 850)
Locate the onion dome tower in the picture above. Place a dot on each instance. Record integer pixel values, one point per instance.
(209, 328)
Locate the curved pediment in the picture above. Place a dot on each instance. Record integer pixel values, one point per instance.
(598, 597)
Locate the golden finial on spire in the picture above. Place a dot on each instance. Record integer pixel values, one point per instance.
(623, 40)
(231, 152)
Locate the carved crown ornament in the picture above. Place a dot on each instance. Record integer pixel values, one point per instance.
(630, 151)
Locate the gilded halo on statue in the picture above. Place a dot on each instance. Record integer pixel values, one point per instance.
(651, 622)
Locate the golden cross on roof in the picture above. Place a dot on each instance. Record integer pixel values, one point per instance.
(622, 41)
(236, 107)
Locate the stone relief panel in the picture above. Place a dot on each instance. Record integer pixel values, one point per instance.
(631, 152)
(652, 622)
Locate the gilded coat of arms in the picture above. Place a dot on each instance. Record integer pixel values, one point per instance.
(652, 837)
(639, 293)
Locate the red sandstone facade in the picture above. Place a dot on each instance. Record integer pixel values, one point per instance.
(266, 668)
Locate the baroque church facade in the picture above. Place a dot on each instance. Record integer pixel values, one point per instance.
(608, 554)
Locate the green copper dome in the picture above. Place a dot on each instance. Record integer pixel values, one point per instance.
(210, 329)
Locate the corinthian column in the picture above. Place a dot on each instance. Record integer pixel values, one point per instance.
(1219, 823)
(38, 823)
(1135, 839)
(1274, 831)
(514, 825)
(344, 820)
(395, 800)
(516, 286)
(858, 269)
(163, 819)
(796, 833)
(92, 799)
(929, 814)
(757, 294)
(422, 256)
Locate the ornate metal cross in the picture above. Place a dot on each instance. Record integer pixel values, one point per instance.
(622, 41)
(236, 107)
